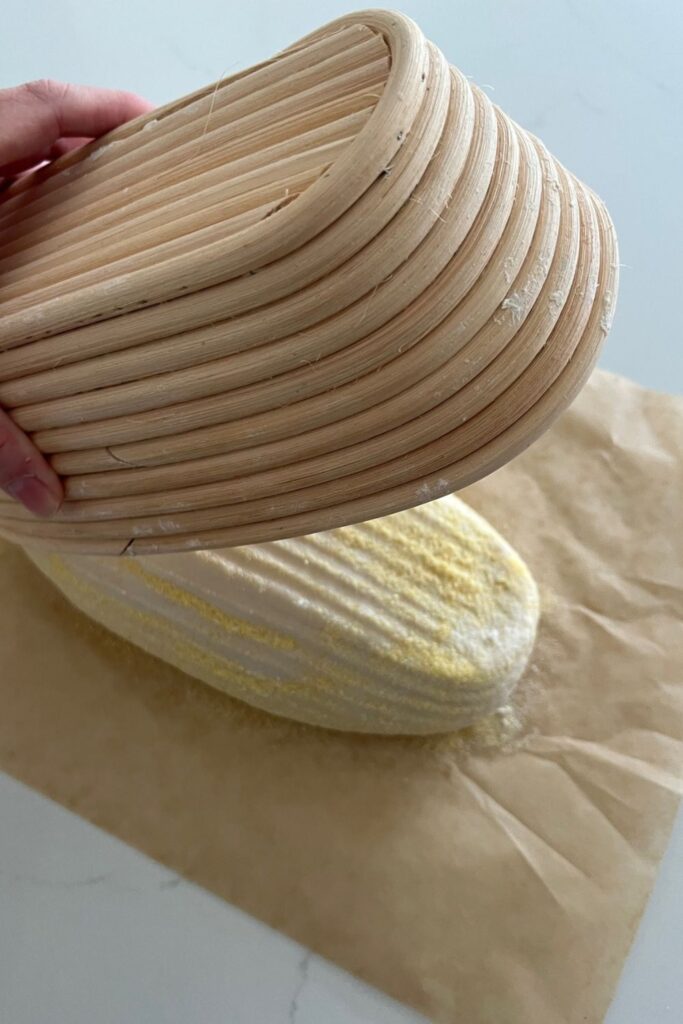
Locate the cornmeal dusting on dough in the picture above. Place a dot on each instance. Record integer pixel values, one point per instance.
(192, 658)
(419, 623)
(456, 565)
(203, 608)
(185, 653)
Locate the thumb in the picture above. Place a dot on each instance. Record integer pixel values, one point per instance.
(33, 117)
(24, 474)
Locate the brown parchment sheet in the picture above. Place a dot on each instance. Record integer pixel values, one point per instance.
(487, 887)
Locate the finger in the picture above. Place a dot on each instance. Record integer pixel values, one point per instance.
(24, 473)
(33, 117)
(17, 167)
(31, 163)
(65, 145)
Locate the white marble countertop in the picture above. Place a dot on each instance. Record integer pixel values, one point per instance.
(91, 930)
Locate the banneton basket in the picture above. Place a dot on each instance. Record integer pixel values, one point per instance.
(325, 289)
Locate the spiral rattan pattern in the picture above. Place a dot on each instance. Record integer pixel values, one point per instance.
(328, 288)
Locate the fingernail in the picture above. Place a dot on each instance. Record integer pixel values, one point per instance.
(34, 494)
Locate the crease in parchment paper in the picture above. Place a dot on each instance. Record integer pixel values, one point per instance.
(492, 886)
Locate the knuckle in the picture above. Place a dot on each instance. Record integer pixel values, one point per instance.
(46, 93)
(43, 89)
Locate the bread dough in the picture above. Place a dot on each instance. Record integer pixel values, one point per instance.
(421, 622)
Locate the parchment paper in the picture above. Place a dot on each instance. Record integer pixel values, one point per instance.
(488, 887)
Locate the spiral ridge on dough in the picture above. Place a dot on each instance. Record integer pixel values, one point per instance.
(420, 622)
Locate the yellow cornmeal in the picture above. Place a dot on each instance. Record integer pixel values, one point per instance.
(226, 622)
(418, 623)
(185, 654)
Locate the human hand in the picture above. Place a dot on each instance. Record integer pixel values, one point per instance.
(40, 121)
